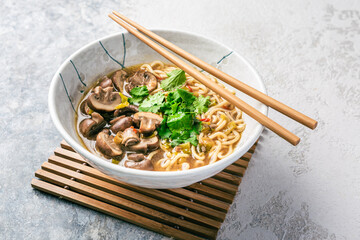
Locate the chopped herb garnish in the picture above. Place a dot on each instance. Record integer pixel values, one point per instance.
(201, 104)
(179, 110)
(176, 78)
(163, 130)
(153, 103)
(180, 123)
(186, 96)
(138, 94)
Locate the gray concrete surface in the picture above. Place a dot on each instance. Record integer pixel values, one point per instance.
(308, 53)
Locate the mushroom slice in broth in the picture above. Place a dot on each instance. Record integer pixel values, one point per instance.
(104, 99)
(118, 79)
(105, 82)
(146, 145)
(147, 121)
(135, 156)
(145, 164)
(120, 124)
(130, 137)
(90, 126)
(128, 110)
(106, 145)
(142, 78)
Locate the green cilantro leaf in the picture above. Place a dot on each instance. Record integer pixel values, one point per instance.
(197, 126)
(180, 121)
(138, 94)
(192, 139)
(139, 91)
(176, 78)
(135, 100)
(163, 131)
(186, 96)
(179, 137)
(153, 103)
(201, 104)
(173, 97)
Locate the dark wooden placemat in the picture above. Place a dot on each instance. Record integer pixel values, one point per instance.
(193, 212)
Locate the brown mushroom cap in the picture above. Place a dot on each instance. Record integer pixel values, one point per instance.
(141, 78)
(136, 157)
(126, 110)
(116, 119)
(105, 82)
(146, 145)
(118, 79)
(145, 164)
(148, 121)
(106, 145)
(104, 99)
(130, 137)
(152, 143)
(106, 130)
(140, 147)
(90, 126)
(84, 108)
(121, 124)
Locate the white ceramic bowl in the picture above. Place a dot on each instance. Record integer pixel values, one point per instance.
(110, 53)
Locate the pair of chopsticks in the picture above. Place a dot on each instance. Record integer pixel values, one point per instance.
(224, 93)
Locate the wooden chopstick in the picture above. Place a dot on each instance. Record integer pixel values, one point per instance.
(224, 93)
(252, 92)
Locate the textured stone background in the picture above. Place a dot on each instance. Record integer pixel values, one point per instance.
(308, 53)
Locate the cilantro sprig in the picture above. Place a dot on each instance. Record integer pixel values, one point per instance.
(153, 103)
(176, 78)
(138, 94)
(179, 110)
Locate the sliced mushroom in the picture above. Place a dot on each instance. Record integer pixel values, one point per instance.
(90, 126)
(116, 119)
(130, 137)
(118, 79)
(106, 145)
(105, 82)
(140, 147)
(145, 164)
(136, 156)
(84, 108)
(146, 145)
(121, 124)
(152, 143)
(104, 99)
(106, 130)
(141, 78)
(126, 110)
(148, 122)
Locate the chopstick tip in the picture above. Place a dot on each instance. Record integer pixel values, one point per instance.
(296, 142)
(314, 125)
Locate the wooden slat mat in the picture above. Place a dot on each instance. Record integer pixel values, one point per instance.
(193, 212)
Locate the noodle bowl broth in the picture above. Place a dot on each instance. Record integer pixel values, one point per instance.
(221, 126)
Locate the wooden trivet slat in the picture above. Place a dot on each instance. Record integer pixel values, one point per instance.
(193, 212)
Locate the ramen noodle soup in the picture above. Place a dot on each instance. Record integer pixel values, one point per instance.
(156, 117)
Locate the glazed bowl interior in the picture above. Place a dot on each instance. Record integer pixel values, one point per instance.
(85, 66)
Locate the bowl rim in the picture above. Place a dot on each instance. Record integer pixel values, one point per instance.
(113, 167)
